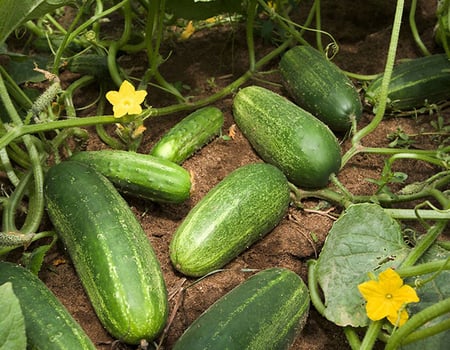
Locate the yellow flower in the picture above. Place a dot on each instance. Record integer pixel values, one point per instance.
(188, 31)
(127, 100)
(387, 297)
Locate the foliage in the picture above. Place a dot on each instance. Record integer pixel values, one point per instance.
(40, 129)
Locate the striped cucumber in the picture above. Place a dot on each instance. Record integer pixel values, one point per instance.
(189, 135)
(286, 135)
(414, 83)
(48, 324)
(267, 311)
(110, 251)
(247, 204)
(140, 174)
(319, 86)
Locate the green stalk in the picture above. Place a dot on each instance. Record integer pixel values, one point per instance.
(36, 204)
(251, 13)
(314, 288)
(73, 33)
(318, 26)
(116, 45)
(384, 86)
(402, 334)
(371, 335)
(352, 338)
(414, 31)
(424, 268)
(425, 243)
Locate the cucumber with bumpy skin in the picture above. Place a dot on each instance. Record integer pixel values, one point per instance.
(110, 251)
(246, 205)
(48, 324)
(189, 135)
(319, 86)
(140, 174)
(414, 83)
(286, 135)
(267, 311)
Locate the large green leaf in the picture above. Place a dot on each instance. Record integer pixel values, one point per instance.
(364, 239)
(12, 323)
(13, 13)
(202, 9)
(430, 293)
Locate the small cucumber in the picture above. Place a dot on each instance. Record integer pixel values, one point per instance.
(140, 174)
(189, 135)
(247, 204)
(48, 324)
(267, 311)
(287, 136)
(319, 86)
(90, 64)
(110, 251)
(414, 83)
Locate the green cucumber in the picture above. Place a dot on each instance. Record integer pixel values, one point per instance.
(414, 83)
(48, 324)
(247, 204)
(319, 86)
(110, 251)
(90, 64)
(189, 135)
(140, 174)
(287, 136)
(267, 311)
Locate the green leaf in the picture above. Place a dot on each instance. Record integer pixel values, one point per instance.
(33, 261)
(197, 10)
(437, 289)
(12, 323)
(364, 239)
(13, 13)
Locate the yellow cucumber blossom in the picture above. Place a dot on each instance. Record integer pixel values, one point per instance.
(127, 100)
(188, 31)
(387, 297)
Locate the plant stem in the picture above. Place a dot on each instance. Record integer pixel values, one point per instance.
(384, 86)
(401, 335)
(371, 335)
(314, 288)
(424, 268)
(425, 243)
(414, 31)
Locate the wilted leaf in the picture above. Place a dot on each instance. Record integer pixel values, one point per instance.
(362, 240)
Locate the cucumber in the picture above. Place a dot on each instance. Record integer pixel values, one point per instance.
(89, 64)
(267, 311)
(141, 175)
(48, 324)
(189, 135)
(287, 136)
(110, 251)
(247, 204)
(414, 83)
(319, 86)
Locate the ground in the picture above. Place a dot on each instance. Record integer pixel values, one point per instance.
(362, 30)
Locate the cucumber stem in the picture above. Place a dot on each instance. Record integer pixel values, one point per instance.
(414, 31)
(358, 136)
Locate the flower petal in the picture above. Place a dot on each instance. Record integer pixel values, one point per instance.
(390, 280)
(406, 294)
(398, 319)
(113, 97)
(139, 96)
(369, 289)
(376, 309)
(126, 88)
(119, 110)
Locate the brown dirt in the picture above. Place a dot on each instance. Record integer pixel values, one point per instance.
(363, 33)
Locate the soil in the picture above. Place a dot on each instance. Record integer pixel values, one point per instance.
(363, 33)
